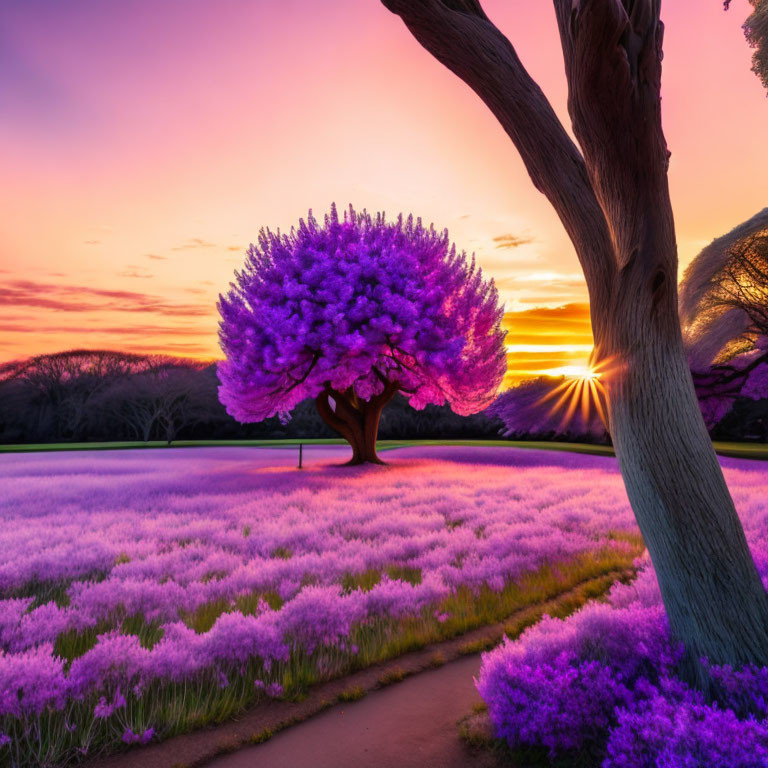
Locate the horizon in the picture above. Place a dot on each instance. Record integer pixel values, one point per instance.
(136, 183)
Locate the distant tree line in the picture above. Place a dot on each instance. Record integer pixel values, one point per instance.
(83, 395)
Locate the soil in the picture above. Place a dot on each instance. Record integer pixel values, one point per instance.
(412, 724)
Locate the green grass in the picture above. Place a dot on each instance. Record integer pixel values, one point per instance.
(354, 693)
(736, 450)
(392, 676)
(121, 445)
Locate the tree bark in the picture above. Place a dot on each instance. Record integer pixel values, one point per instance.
(614, 203)
(357, 421)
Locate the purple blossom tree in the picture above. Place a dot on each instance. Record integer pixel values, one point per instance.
(351, 312)
(724, 311)
(542, 407)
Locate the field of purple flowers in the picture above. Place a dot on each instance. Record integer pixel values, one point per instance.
(143, 593)
(147, 592)
(601, 687)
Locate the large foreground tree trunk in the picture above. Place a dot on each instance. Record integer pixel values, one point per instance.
(357, 421)
(613, 200)
(714, 598)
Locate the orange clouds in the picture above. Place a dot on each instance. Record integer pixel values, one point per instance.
(543, 339)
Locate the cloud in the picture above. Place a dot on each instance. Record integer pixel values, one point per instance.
(200, 351)
(543, 288)
(122, 330)
(76, 298)
(544, 339)
(134, 271)
(235, 248)
(156, 257)
(194, 242)
(512, 241)
(557, 322)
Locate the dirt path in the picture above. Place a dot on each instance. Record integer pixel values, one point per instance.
(412, 724)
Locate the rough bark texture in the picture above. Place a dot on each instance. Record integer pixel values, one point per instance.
(613, 199)
(357, 421)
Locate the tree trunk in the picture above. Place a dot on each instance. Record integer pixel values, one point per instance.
(357, 421)
(613, 200)
(714, 599)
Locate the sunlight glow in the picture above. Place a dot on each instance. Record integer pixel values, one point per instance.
(574, 372)
(581, 388)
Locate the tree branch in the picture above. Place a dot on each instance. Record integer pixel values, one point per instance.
(613, 52)
(460, 35)
(330, 418)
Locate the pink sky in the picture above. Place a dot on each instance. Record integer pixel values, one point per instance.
(143, 144)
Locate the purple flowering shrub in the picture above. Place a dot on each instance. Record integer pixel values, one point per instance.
(603, 683)
(129, 580)
(354, 303)
(674, 727)
(533, 408)
(743, 376)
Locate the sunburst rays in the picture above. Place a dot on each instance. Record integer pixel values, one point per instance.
(582, 390)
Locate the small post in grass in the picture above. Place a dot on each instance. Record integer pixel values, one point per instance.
(301, 453)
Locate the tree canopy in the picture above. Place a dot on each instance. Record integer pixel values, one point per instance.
(724, 311)
(358, 307)
(756, 32)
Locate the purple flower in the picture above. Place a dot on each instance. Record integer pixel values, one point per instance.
(103, 709)
(685, 733)
(129, 737)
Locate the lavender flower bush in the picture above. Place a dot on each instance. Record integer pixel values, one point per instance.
(603, 683)
(214, 577)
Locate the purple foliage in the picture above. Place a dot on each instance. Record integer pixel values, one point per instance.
(31, 681)
(153, 527)
(129, 737)
(354, 303)
(604, 681)
(532, 408)
(681, 731)
(743, 376)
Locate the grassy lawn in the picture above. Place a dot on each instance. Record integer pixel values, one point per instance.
(757, 451)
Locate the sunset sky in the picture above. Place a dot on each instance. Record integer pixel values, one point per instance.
(144, 143)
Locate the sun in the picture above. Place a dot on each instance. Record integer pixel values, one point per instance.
(575, 372)
(581, 388)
